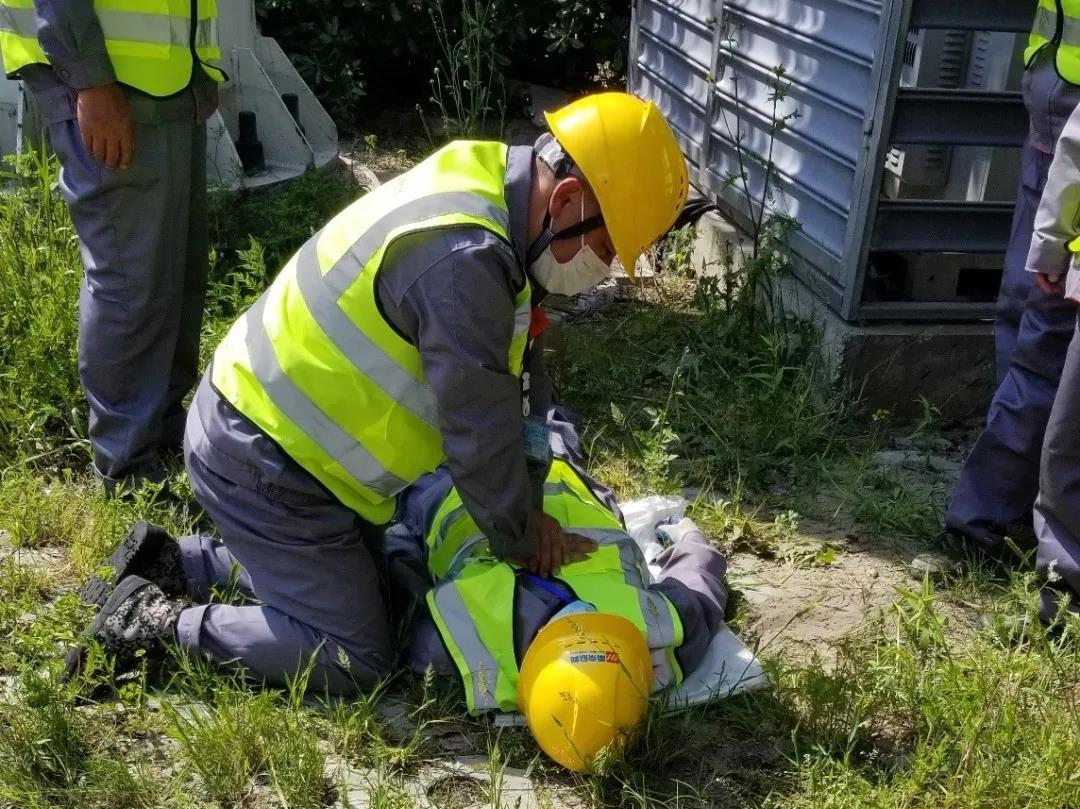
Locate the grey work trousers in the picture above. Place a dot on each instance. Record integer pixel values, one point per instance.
(144, 240)
(1000, 479)
(287, 543)
(1057, 509)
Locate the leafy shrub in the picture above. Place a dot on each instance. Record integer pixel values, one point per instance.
(388, 49)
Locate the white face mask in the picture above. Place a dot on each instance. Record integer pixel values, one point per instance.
(583, 271)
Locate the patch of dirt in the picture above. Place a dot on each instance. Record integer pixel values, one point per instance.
(456, 792)
(799, 610)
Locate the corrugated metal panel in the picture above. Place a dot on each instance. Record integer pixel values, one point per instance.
(827, 50)
(674, 43)
(709, 65)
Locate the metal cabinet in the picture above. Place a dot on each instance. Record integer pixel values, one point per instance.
(900, 155)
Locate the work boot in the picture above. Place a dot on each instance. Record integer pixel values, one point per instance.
(950, 561)
(148, 551)
(1049, 609)
(136, 617)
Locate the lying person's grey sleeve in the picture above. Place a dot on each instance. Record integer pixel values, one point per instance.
(70, 34)
(1057, 221)
(407, 574)
(463, 310)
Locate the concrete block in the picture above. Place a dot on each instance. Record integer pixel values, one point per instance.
(891, 365)
(719, 246)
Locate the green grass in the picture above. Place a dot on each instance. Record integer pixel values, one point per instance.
(240, 739)
(41, 404)
(55, 754)
(708, 387)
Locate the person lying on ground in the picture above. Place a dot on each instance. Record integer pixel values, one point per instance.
(577, 653)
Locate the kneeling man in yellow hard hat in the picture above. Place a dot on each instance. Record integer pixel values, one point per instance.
(400, 337)
(580, 653)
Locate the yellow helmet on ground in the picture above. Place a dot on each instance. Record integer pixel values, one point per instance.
(628, 154)
(584, 687)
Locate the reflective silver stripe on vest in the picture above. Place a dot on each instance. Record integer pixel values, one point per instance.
(158, 29)
(522, 319)
(483, 670)
(604, 536)
(663, 673)
(14, 21)
(451, 518)
(555, 489)
(319, 427)
(658, 621)
(206, 33)
(1046, 22)
(634, 569)
(364, 354)
(464, 555)
(348, 268)
(130, 26)
(654, 606)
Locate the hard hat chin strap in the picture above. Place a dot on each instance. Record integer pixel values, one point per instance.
(548, 236)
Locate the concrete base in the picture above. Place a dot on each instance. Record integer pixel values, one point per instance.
(895, 365)
(891, 366)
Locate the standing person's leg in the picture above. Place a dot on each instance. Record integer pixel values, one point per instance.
(1016, 283)
(129, 306)
(184, 370)
(999, 481)
(1057, 510)
(998, 484)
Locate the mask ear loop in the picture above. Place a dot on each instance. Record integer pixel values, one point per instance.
(582, 218)
(547, 236)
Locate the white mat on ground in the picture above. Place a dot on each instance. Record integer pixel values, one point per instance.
(729, 666)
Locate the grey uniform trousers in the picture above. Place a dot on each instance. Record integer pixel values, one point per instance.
(144, 242)
(1057, 510)
(290, 545)
(998, 484)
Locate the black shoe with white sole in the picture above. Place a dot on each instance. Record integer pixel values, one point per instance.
(147, 551)
(137, 616)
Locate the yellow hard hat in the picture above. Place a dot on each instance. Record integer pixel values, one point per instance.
(584, 686)
(629, 156)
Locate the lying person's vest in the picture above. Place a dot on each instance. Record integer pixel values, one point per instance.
(473, 602)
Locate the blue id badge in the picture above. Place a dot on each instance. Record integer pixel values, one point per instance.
(537, 440)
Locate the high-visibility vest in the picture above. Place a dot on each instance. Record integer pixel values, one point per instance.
(317, 366)
(1057, 22)
(154, 45)
(473, 602)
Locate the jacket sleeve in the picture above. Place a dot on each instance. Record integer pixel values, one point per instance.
(1057, 221)
(541, 398)
(71, 36)
(464, 311)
